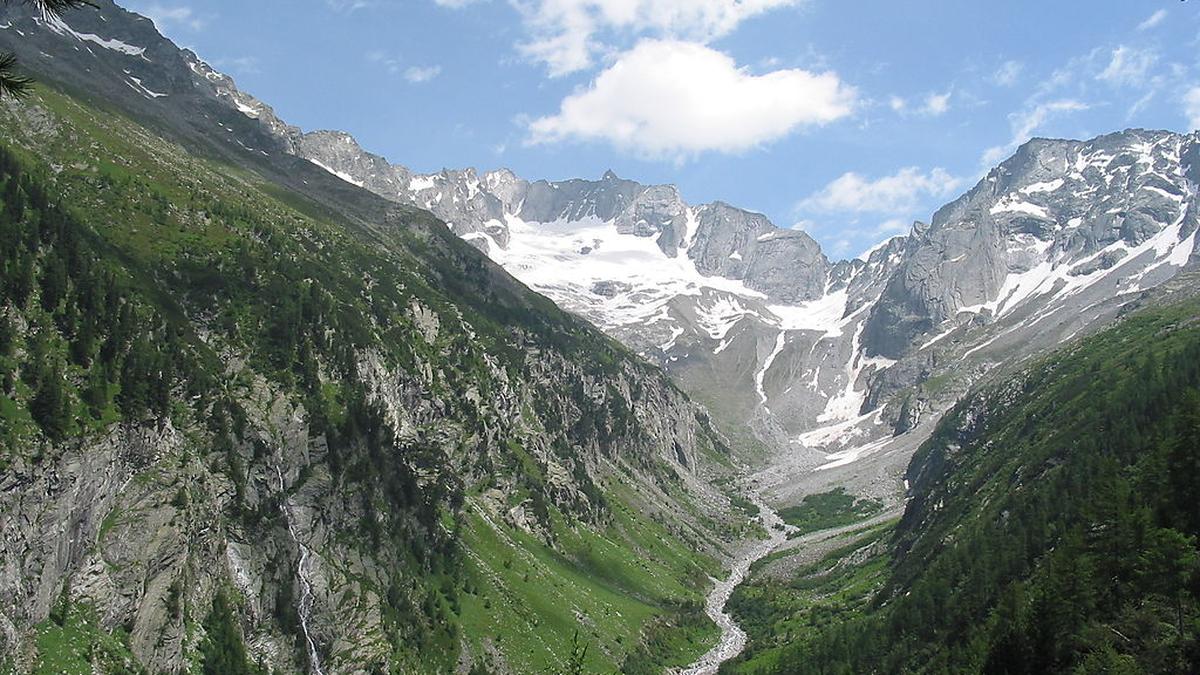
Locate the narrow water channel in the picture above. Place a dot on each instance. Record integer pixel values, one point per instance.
(733, 638)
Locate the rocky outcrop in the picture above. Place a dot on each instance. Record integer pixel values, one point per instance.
(754, 319)
(786, 265)
(326, 502)
(1077, 206)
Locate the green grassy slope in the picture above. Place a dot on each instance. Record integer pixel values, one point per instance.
(826, 510)
(530, 601)
(160, 266)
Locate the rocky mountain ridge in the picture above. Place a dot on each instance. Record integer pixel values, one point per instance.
(752, 319)
(839, 365)
(1057, 234)
(226, 375)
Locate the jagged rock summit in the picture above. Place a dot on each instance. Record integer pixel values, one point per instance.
(751, 318)
(756, 320)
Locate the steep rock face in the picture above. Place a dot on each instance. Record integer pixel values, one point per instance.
(786, 265)
(657, 210)
(1048, 219)
(754, 319)
(341, 150)
(53, 510)
(343, 395)
(575, 199)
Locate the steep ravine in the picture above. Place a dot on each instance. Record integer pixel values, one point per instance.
(304, 606)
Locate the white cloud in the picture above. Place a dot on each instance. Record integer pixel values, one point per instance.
(168, 17)
(850, 205)
(1140, 105)
(1128, 66)
(396, 66)
(392, 63)
(936, 105)
(1191, 103)
(892, 227)
(419, 74)
(244, 65)
(932, 104)
(997, 153)
(666, 98)
(840, 235)
(566, 35)
(841, 247)
(349, 5)
(1008, 72)
(1153, 20)
(901, 192)
(1025, 122)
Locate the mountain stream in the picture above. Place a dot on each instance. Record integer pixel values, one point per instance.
(733, 638)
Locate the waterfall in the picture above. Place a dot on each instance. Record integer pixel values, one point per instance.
(304, 609)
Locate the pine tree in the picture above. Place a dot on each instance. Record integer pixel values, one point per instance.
(12, 83)
(223, 652)
(49, 405)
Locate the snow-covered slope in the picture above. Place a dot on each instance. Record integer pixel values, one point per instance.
(752, 319)
(760, 326)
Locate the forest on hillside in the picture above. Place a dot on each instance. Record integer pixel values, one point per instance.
(1052, 528)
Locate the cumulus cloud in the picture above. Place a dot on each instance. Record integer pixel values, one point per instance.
(900, 193)
(854, 208)
(667, 98)
(1153, 20)
(1128, 66)
(567, 35)
(1024, 123)
(1191, 107)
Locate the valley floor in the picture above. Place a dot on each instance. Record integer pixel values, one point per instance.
(799, 538)
(733, 638)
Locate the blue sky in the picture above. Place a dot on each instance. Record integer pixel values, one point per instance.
(849, 119)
